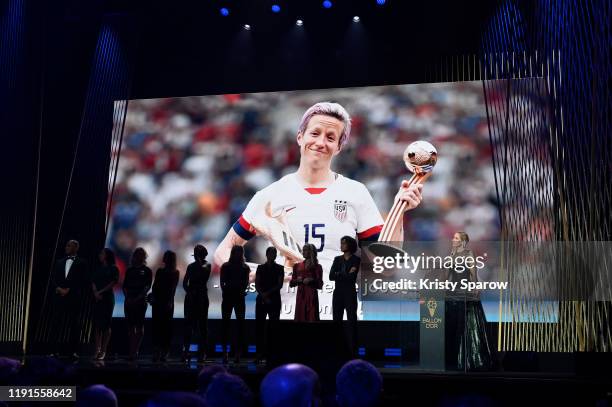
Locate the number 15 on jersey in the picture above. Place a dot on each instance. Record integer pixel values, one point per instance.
(313, 233)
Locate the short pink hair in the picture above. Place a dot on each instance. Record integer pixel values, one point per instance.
(331, 109)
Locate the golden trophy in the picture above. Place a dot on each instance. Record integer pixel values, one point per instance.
(420, 157)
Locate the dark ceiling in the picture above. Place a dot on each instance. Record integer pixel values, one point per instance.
(189, 48)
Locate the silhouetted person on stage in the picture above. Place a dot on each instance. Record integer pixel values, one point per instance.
(268, 283)
(344, 272)
(70, 279)
(137, 282)
(196, 302)
(308, 277)
(164, 288)
(103, 279)
(234, 283)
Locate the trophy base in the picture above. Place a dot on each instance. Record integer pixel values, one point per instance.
(382, 249)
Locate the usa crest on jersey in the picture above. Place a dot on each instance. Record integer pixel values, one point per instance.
(340, 210)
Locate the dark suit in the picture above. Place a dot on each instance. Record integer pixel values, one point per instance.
(66, 315)
(269, 281)
(345, 296)
(234, 282)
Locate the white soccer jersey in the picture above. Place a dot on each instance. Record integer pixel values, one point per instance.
(320, 216)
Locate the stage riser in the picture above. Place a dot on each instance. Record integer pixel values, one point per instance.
(374, 337)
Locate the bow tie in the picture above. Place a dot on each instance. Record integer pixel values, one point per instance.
(70, 257)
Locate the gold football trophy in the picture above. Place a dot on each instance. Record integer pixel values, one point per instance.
(420, 157)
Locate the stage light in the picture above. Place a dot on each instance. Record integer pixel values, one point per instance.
(327, 4)
(224, 12)
(247, 27)
(276, 8)
(356, 19)
(299, 23)
(381, 2)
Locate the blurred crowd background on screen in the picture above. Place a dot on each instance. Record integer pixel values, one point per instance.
(189, 166)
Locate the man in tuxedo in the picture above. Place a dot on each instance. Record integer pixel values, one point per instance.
(69, 284)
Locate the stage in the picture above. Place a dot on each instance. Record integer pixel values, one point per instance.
(138, 131)
(393, 347)
(528, 378)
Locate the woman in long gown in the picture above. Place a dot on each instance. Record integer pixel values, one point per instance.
(234, 279)
(163, 291)
(196, 302)
(467, 345)
(308, 277)
(103, 280)
(136, 285)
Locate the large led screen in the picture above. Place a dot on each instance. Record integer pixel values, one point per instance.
(192, 169)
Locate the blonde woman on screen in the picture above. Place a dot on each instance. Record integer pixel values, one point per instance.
(314, 205)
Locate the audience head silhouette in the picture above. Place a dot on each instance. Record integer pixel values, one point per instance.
(97, 395)
(227, 390)
(292, 385)
(358, 383)
(206, 375)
